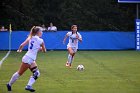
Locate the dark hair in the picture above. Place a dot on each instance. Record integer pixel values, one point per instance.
(73, 27)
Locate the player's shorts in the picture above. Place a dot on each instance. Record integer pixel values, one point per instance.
(27, 60)
(73, 48)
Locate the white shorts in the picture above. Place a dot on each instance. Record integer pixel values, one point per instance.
(28, 60)
(73, 48)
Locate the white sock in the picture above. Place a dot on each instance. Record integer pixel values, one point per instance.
(31, 81)
(14, 78)
(70, 58)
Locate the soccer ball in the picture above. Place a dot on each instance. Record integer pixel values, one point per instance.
(80, 67)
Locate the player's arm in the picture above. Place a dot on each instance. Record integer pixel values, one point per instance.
(65, 39)
(22, 45)
(43, 48)
(79, 37)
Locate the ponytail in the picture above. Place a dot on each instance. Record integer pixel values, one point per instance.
(31, 32)
(34, 31)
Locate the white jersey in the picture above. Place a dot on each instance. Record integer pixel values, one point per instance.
(53, 28)
(34, 46)
(73, 41)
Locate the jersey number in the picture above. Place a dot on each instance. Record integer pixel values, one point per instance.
(31, 44)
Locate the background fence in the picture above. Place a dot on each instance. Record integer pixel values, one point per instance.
(91, 40)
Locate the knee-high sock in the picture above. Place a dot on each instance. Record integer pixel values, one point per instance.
(14, 78)
(33, 78)
(31, 81)
(70, 58)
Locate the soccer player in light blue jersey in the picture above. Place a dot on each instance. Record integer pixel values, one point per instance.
(72, 46)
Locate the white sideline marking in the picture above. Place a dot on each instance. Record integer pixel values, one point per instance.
(4, 58)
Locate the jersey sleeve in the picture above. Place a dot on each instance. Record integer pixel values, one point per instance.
(69, 33)
(79, 35)
(41, 41)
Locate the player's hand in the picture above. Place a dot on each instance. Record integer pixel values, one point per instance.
(77, 36)
(40, 49)
(19, 51)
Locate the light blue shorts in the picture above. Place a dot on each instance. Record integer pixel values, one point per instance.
(27, 60)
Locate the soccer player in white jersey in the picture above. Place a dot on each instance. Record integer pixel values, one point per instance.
(72, 46)
(35, 44)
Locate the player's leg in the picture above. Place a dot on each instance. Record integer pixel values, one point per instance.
(34, 77)
(74, 52)
(70, 56)
(70, 51)
(22, 69)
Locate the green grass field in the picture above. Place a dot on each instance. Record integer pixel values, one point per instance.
(105, 72)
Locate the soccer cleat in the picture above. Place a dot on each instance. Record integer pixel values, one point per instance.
(8, 87)
(70, 66)
(29, 88)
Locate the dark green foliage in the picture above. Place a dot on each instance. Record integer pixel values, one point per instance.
(87, 14)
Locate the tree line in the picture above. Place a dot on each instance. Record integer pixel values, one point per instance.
(97, 15)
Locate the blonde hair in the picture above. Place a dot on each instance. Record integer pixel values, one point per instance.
(34, 30)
